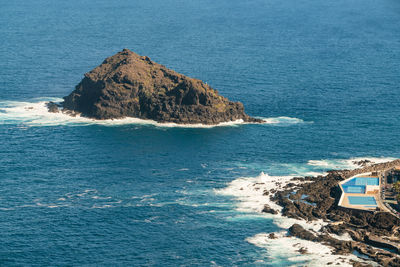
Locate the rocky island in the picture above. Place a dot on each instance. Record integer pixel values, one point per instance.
(129, 85)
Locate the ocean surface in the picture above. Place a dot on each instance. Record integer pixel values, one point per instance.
(76, 192)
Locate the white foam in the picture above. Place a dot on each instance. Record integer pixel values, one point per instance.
(283, 120)
(50, 205)
(249, 191)
(344, 237)
(99, 197)
(35, 113)
(95, 206)
(6, 208)
(84, 198)
(373, 160)
(315, 174)
(336, 164)
(286, 248)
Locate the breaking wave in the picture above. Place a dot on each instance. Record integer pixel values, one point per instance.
(315, 254)
(283, 120)
(35, 113)
(351, 163)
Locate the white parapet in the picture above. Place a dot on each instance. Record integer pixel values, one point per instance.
(370, 189)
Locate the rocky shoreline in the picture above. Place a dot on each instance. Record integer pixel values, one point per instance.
(375, 235)
(129, 85)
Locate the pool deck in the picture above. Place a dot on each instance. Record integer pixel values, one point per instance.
(344, 202)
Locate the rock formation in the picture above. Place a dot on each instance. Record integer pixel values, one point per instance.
(129, 85)
(268, 209)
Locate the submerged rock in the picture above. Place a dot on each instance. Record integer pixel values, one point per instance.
(129, 85)
(268, 209)
(52, 107)
(303, 250)
(272, 236)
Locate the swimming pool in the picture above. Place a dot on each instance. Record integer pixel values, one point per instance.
(366, 181)
(358, 184)
(369, 201)
(354, 189)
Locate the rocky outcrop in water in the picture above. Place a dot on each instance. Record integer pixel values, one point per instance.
(268, 209)
(53, 107)
(129, 85)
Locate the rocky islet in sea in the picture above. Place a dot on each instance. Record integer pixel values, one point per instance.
(129, 85)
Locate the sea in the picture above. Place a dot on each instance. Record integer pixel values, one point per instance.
(323, 74)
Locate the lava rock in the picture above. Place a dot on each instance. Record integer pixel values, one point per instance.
(384, 220)
(129, 85)
(303, 251)
(272, 236)
(268, 209)
(299, 232)
(52, 107)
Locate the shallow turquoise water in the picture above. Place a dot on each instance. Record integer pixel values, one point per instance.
(358, 184)
(355, 200)
(134, 194)
(366, 181)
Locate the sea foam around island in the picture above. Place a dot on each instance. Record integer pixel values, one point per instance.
(35, 113)
(249, 193)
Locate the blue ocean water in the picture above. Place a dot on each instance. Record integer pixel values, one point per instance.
(139, 194)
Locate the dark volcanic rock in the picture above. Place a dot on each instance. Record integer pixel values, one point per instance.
(384, 220)
(52, 107)
(272, 236)
(341, 247)
(303, 251)
(298, 231)
(129, 85)
(268, 209)
(362, 163)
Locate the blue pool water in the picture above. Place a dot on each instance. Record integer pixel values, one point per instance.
(354, 189)
(366, 181)
(358, 184)
(363, 181)
(368, 201)
(72, 193)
